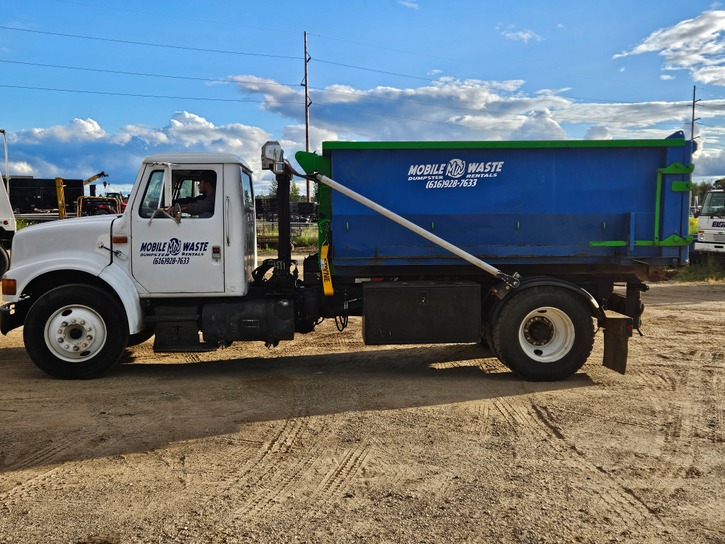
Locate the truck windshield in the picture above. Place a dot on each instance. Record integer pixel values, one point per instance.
(714, 204)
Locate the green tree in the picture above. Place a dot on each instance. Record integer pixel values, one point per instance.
(294, 193)
(699, 189)
(273, 188)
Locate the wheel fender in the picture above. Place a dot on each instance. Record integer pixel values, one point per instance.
(126, 291)
(116, 279)
(538, 281)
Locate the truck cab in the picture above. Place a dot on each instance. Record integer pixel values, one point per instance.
(208, 253)
(711, 224)
(86, 288)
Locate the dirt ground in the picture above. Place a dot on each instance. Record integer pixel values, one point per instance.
(325, 440)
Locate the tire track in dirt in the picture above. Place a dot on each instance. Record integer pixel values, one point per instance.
(612, 494)
(31, 473)
(718, 419)
(678, 423)
(268, 472)
(341, 475)
(277, 476)
(609, 494)
(657, 378)
(58, 450)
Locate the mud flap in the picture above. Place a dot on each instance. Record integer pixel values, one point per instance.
(617, 332)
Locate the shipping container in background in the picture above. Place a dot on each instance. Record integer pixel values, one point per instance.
(28, 195)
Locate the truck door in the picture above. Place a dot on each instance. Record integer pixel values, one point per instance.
(249, 232)
(183, 254)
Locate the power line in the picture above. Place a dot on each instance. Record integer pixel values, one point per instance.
(231, 80)
(149, 44)
(371, 70)
(374, 46)
(125, 73)
(135, 95)
(286, 57)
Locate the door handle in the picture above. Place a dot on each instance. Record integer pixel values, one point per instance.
(227, 208)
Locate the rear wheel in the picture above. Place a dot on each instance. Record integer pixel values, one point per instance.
(544, 333)
(75, 332)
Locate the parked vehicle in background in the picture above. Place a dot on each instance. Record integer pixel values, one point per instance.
(120, 197)
(8, 224)
(711, 224)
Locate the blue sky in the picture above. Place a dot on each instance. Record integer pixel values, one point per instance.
(93, 85)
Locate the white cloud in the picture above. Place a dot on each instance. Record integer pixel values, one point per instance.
(510, 32)
(446, 109)
(598, 132)
(77, 130)
(667, 77)
(409, 4)
(524, 35)
(82, 148)
(540, 125)
(694, 44)
(21, 168)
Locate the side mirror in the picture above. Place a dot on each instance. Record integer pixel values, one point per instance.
(273, 157)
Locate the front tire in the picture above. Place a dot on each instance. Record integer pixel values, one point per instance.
(139, 337)
(4, 260)
(544, 333)
(75, 332)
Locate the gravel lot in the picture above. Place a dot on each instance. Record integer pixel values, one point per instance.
(325, 440)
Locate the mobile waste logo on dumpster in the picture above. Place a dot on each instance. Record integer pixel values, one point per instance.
(454, 174)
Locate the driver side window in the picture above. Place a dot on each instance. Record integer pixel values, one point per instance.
(192, 190)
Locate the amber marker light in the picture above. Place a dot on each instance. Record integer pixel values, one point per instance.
(10, 286)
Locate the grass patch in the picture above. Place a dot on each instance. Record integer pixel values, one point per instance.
(22, 223)
(267, 236)
(305, 237)
(710, 268)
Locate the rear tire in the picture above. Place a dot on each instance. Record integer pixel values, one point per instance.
(544, 333)
(75, 332)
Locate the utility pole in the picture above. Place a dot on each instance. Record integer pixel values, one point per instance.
(308, 103)
(692, 123)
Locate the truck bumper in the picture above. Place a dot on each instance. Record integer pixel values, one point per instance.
(9, 318)
(710, 247)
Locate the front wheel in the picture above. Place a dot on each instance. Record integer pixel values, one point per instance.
(544, 333)
(75, 332)
(4, 260)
